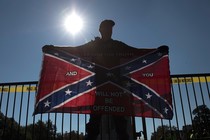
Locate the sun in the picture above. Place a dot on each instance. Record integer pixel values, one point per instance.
(73, 23)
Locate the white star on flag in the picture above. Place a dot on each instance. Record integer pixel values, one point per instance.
(166, 110)
(148, 95)
(47, 104)
(73, 59)
(127, 68)
(89, 83)
(90, 66)
(144, 61)
(56, 54)
(68, 92)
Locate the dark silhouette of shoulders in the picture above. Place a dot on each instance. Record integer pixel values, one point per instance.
(112, 45)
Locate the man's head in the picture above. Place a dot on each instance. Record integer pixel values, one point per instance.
(106, 29)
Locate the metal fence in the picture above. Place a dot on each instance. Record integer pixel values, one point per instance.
(191, 103)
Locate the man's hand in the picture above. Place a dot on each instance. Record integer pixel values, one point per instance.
(46, 47)
(163, 48)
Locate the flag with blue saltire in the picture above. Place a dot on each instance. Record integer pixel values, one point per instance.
(114, 80)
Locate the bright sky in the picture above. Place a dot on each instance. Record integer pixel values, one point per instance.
(26, 26)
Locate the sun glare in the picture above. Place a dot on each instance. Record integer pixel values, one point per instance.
(73, 23)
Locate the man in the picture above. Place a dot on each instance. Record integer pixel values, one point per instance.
(107, 45)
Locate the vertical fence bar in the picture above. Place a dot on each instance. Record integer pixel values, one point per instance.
(144, 128)
(13, 111)
(163, 132)
(78, 126)
(194, 93)
(20, 110)
(207, 86)
(48, 125)
(182, 107)
(195, 98)
(188, 99)
(55, 128)
(33, 124)
(175, 109)
(1, 119)
(33, 128)
(5, 119)
(199, 81)
(39, 134)
(171, 131)
(154, 130)
(85, 124)
(206, 81)
(62, 125)
(2, 89)
(133, 126)
(70, 122)
(27, 111)
(55, 122)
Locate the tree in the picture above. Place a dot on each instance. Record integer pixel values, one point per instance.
(73, 135)
(10, 129)
(46, 130)
(165, 133)
(201, 120)
(41, 130)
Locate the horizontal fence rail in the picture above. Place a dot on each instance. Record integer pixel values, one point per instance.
(191, 107)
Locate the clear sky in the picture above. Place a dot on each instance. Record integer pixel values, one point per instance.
(26, 26)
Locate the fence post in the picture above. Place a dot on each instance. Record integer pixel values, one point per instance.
(144, 128)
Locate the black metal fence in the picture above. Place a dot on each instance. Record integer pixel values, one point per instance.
(191, 103)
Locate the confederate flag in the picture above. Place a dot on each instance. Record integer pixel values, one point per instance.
(105, 80)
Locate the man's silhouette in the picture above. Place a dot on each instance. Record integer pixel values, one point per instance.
(107, 45)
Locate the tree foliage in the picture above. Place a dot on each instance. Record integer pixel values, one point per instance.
(165, 133)
(11, 130)
(201, 121)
